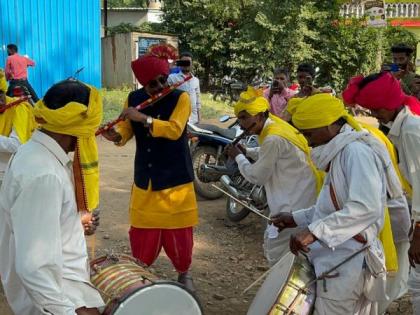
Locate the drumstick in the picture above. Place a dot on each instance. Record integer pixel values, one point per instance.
(265, 274)
(242, 203)
(93, 243)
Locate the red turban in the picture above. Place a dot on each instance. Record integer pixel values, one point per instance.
(383, 93)
(154, 63)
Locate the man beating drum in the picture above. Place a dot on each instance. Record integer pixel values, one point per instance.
(349, 213)
(283, 166)
(43, 265)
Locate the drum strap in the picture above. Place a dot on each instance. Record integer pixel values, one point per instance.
(359, 237)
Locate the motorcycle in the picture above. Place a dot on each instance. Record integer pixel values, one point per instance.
(207, 143)
(230, 89)
(211, 167)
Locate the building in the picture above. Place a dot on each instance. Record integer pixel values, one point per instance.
(405, 14)
(119, 50)
(399, 13)
(134, 16)
(54, 34)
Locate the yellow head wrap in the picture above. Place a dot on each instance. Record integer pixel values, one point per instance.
(3, 82)
(253, 103)
(77, 120)
(19, 118)
(318, 111)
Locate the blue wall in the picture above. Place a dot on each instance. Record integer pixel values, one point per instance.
(61, 36)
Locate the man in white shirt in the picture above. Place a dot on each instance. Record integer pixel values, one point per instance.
(382, 94)
(349, 212)
(44, 263)
(282, 165)
(192, 86)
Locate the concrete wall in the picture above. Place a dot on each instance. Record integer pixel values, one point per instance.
(116, 58)
(115, 18)
(117, 53)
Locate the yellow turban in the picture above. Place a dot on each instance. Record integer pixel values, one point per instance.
(252, 101)
(318, 111)
(20, 118)
(3, 82)
(80, 121)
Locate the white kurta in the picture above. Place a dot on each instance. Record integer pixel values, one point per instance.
(405, 135)
(8, 146)
(192, 87)
(288, 181)
(43, 262)
(360, 185)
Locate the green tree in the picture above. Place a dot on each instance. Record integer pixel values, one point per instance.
(250, 35)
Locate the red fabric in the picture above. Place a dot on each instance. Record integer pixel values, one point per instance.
(16, 67)
(146, 245)
(148, 67)
(383, 93)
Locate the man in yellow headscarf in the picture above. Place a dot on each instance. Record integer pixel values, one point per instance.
(41, 200)
(349, 213)
(282, 166)
(16, 124)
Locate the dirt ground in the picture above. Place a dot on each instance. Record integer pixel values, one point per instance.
(227, 257)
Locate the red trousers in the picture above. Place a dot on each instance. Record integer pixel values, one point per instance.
(177, 243)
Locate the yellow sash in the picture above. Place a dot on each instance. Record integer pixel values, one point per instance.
(281, 128)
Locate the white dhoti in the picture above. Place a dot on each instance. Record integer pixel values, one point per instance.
(356, 304)
(414, 288)
(397, 286)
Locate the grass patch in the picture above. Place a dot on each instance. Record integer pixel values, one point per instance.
(113, 101)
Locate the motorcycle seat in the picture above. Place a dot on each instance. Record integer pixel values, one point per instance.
(224, 132)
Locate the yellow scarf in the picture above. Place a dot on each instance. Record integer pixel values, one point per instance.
(20, 118)
(3, 82)
(253, 103)
(77, 120)
(322, 110)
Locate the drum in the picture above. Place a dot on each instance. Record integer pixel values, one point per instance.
(128, 289)
(281, 292)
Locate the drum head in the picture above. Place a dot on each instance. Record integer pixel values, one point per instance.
(160, 298)
(272, 286)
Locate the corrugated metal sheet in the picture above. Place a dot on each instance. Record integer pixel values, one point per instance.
(61, 36)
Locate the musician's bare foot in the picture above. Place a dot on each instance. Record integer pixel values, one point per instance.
(187, 280)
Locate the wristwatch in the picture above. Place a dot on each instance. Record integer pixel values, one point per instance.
(149, 121)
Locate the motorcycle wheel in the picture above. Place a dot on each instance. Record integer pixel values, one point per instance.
(234, 211)
(201, 155)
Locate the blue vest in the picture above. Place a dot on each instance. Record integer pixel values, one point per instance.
(166, 163)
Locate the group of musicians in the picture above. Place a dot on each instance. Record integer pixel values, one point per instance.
(334, 187)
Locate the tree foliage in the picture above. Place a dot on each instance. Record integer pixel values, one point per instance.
(250, 36)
